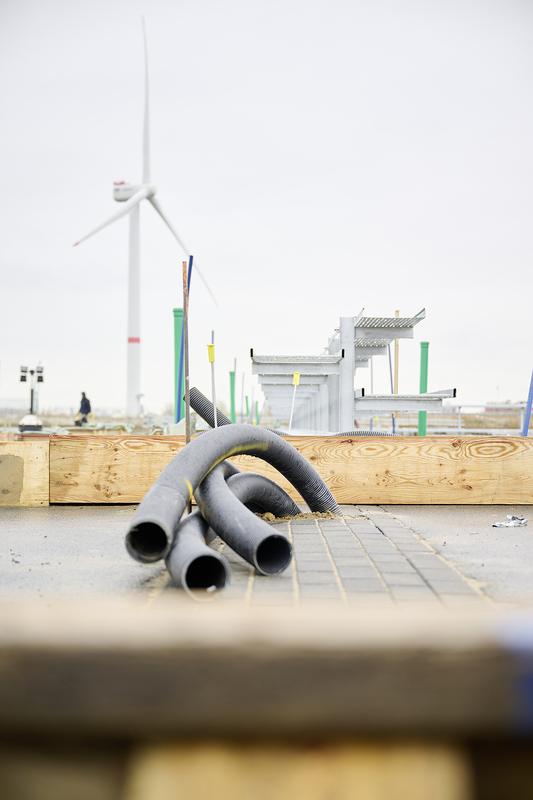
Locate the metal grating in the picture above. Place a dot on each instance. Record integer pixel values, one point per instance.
(295, 359)
(390, 322)
(362, 342)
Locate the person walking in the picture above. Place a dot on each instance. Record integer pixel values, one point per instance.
(85, 410)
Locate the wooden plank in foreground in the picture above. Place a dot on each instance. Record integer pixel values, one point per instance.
(373, 771)
(369, 470)
(24, 473)
(179, 669)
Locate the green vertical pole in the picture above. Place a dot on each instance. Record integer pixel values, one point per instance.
(232, 411)
(422, 415)
(257, 414)
(178, 390)
(247, 407)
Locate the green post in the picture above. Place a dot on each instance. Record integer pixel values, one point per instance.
(422, 415)
(247, 408)
(257, 414)
(178, 390)
(232, 411)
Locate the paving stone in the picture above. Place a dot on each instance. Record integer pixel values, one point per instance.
(352, 586)
(444, 572)
(317, 577)
(320, 592)
(392, 558)
(393, 568)
(398, 579)
(356, 572)
(412, 592)
(451, 587)
(314, 566)
(311, 558)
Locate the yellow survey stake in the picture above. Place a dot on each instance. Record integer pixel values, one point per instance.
(211, 353)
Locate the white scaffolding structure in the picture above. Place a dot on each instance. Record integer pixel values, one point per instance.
(326, 399)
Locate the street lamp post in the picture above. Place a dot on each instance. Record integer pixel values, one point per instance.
(31, 422)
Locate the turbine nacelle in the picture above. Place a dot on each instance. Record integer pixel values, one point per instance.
(123, 190)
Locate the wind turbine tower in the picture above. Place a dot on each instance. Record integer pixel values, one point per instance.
(130, 196)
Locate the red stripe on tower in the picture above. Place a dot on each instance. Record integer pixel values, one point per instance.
(134, 339)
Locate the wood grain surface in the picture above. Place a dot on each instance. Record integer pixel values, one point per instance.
(107, 469)
(24, 473)
(403, 470)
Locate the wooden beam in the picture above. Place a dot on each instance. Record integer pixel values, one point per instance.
(237, 771)
(369, 470)
(24, 472)
(175, 668)
(107, 469)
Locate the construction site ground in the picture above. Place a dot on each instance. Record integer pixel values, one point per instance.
(446, 555)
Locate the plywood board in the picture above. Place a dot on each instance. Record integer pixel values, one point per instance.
(403, 470)
(107, 469)
(24, 473)
(417, 470)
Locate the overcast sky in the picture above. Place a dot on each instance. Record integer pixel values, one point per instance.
(317, 156)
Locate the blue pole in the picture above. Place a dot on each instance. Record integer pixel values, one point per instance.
(527, 413)
(179, 399)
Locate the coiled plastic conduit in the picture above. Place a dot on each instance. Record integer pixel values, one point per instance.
(153, 525)
(250, 537)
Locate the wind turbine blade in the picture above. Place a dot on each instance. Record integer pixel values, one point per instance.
(181, 243)
(146, 122)
(126, 208)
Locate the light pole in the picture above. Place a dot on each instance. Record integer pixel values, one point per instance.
(31, 422)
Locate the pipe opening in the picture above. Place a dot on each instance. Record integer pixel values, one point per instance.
(206, 572)
(273, 554)
(147, 541)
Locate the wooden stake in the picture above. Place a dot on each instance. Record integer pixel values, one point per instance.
(396, 359)
(211, 355)
(186, 351)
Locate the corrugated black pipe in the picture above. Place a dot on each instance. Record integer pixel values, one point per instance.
(152, 527)
(263, 493)
(250, 537)
(193, 565)
(365, 433)
(258, 494)
(205, 408)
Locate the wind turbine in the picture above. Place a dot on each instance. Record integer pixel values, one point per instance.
(131, 196)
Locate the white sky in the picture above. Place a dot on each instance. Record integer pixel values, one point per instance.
(317, 156)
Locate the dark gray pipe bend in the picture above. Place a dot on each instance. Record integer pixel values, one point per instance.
(191, 563)
(263, 493)
(250, 537)
(258, 494)
(152, 527)
(205, 408)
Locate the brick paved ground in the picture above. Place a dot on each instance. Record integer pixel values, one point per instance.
(367, 555)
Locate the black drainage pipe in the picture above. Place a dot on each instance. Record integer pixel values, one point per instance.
(193, 565)
(152, 528)
(205, 408)
(252, 538)
(264, 494)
